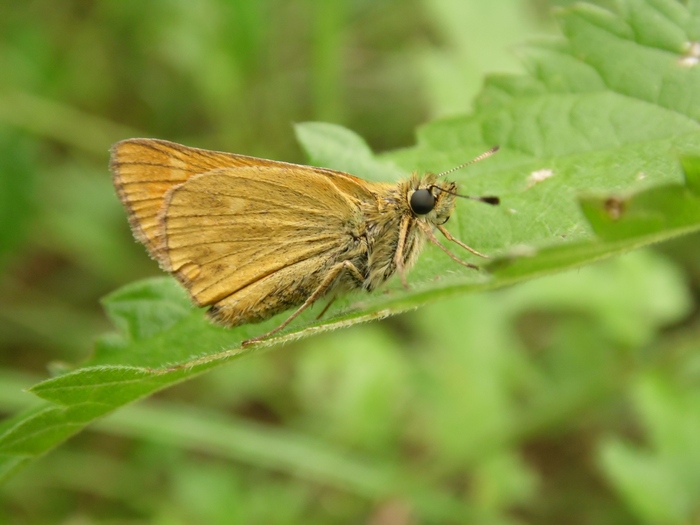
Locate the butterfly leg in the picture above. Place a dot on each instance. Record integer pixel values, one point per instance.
(398, 254)
(322, 288)
(449, 237)
(325, 308)
(433, 239)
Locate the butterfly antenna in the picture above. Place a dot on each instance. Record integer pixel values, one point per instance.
(493, 201)
(484, 155)
(488, 199)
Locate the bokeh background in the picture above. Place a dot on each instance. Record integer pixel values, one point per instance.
(572, 399)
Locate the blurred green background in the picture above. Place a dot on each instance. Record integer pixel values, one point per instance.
(571, 399)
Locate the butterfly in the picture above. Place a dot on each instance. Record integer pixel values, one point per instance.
(251, 237)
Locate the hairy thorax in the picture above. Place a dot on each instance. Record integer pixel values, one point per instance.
(383, 229)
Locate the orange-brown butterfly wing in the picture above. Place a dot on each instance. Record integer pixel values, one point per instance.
(143, 170)
(228, 228)
(250, 234)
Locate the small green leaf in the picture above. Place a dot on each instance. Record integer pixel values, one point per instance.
(335, 147)
(661, 483)
(144, 309)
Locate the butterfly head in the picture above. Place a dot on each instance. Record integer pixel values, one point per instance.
(435, 200)
(432, 200)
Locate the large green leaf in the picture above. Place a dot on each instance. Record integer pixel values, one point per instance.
(600, 147)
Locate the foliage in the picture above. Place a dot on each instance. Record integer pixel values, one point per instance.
(563, 396)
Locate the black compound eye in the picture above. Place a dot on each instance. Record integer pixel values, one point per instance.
(422, 202)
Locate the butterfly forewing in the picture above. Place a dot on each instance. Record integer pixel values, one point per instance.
(229, 228)
(145, 169)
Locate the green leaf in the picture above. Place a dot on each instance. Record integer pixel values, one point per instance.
(662, 485)
(339, 148)
(594, 144)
